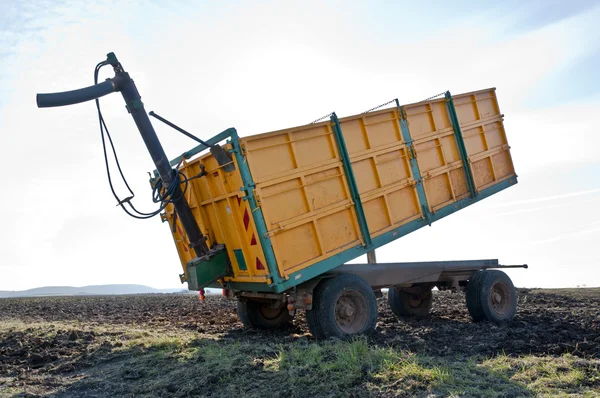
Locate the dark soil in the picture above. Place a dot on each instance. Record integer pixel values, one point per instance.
(550, 322)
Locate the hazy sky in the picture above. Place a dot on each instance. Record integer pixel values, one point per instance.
(262, 66)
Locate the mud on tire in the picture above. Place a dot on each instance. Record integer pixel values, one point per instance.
(343, 306)
(491, 296)
(403, 303)
(260, 315)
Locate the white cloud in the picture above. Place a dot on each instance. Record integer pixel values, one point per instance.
(539, 208)
(548, 198)
(257, 68)
(566, 133)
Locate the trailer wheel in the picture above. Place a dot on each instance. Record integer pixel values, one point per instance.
(261, 315)
(343, 306)
(313, 322)
(491, 296)
(403, 303)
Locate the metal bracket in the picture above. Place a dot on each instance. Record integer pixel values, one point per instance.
(248, 187)
(412, 153)
(163, 217)
(426, 214)
(257, 197)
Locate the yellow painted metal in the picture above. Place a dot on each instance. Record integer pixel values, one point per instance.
(305, 197)
(303, 193)
(223, 217)
(436, 149)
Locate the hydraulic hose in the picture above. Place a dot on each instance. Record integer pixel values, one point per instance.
(123, 83)
(76, 96)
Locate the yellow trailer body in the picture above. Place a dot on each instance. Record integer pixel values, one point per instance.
(305, 200)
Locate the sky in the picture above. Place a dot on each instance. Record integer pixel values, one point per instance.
(267, 65)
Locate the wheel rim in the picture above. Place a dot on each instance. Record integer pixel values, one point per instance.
(351, 312)
(414, 301)
(268, 312)
(500, 298)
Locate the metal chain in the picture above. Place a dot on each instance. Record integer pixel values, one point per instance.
(435, 96)
(321, 118)
(380, 106)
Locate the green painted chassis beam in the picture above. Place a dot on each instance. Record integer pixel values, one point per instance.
(460, 143)
(352, 185)
(414, 166)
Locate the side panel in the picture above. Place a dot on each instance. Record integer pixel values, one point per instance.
(482, 128)
(437, 153)
(323, 194)
(381, 164)
(437, 145)
(408, 163)
(224, 217)
(303, 193)
(304, 190)
(352, 253)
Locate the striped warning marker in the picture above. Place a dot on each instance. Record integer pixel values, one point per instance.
(246, 219)
(253, 241)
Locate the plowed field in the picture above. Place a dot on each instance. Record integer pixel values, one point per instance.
(175, 345)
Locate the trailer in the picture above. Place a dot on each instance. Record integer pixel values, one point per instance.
(274, 218)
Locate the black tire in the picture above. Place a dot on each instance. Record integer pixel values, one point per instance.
(311, 316)
(244, 314)
(405, 304)
(491, 296)
(313, 324)
(473, 296)
(343, 306)
(259, 315)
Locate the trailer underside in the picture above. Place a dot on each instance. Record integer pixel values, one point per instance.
(342, 302)
(406, 274)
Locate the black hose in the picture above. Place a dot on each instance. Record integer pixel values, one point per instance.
(76, 96)
(159, 193)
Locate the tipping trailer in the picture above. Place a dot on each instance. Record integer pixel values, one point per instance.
(273, 218)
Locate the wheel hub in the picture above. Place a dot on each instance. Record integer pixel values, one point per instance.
(347, 310)
(499, 295)
(497, 298)
(269, 312)
(414, 301)
(351, 311)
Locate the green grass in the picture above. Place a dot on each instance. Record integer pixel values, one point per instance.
(125, 361)
(548, 375)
